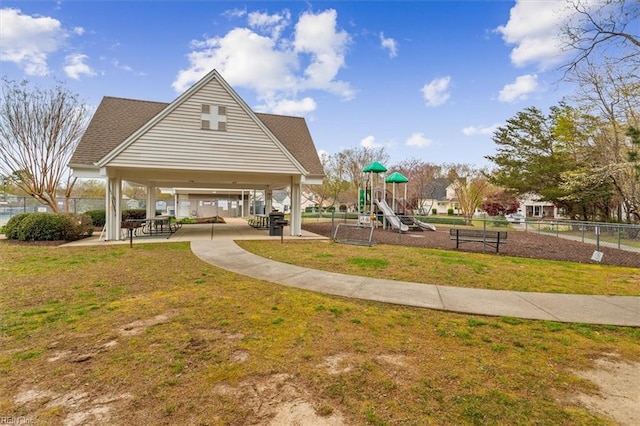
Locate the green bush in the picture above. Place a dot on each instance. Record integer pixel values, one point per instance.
(434, 212)
(12, 226)
(98, 217)
(42, 227)
(136, 214)
(48, 227)
(450, 212)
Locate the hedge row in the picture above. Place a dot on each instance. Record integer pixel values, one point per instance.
(48, 227)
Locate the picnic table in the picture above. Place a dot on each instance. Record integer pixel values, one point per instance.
(159, 225)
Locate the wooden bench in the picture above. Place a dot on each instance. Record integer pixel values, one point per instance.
(488, 238)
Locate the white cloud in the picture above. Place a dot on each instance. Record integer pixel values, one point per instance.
(317, 35)
(369, 142)
(481, 130)
(418, 140)
(436, 92)
(245, 59)
(277, 66)
(290, 107)
(79, 30)
(28, 41)
(534, 28)
(520, 89)
(274, 24)
(390, 45)
(124, 67)
(75, 66)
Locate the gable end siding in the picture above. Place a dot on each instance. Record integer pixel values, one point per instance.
(179, 142)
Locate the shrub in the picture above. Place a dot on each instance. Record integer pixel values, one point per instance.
(98, 217)
(136, 214)
(77, 226)
(434, 212)
(450, 212)
(49, 227)
(12, 226)
(42, 227)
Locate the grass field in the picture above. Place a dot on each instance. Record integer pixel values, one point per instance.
(152, 335)
(453, 268)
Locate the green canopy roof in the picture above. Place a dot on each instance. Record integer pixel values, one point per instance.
(396, 177)
(375, 167)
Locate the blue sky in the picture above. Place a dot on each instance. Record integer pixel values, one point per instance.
(427, 80)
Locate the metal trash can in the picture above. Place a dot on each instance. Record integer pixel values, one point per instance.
(275, 224)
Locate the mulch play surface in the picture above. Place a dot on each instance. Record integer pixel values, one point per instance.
(519, 244)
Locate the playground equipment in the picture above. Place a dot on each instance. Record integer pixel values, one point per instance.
(423, 225)
(390, 216)
(370, 196)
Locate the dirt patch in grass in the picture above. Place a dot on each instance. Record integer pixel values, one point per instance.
(618, 394)
(77, 407)
(278, 400)
(519, 244)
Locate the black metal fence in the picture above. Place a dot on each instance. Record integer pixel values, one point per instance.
(618, 236)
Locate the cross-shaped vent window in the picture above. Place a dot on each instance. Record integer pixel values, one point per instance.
(214, 117)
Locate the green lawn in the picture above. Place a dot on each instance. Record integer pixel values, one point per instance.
(153, 335)
(452, 268)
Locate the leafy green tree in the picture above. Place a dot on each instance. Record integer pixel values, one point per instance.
(530, 159)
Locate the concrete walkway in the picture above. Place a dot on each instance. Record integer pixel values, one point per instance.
(611, 310)
(215, 244)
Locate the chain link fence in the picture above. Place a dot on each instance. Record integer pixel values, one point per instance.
(615, 235)
(11, 206)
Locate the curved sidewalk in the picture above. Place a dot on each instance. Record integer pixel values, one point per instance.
(609, 310)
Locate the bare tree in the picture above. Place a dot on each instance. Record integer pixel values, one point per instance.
(420, 174)
(354, 160)
(605, 29)
(612, 99)
(333, 183)
(471, 192)
(39, 130)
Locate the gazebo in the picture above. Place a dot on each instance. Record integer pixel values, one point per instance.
(207, 138)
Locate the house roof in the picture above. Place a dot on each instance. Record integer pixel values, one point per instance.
(116, 119)
(437, 189)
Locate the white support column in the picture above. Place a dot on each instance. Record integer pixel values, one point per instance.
(151, 201)
(254, 203)
(268, 201)
(113, 208)
(295, 222)
(175, 205)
